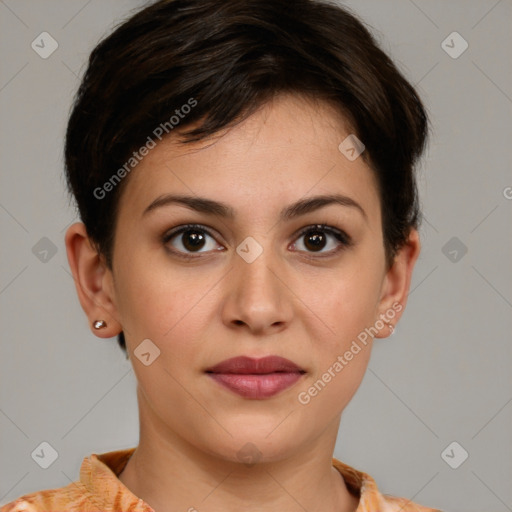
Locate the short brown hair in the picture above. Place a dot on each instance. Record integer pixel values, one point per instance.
(230, 57)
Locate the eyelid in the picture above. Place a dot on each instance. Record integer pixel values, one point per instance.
(184, 227)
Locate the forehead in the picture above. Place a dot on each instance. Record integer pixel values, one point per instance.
(286, 150)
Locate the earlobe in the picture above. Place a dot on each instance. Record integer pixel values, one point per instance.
(93, 282)
(396, 284)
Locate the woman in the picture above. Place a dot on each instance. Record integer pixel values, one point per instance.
(244, 173)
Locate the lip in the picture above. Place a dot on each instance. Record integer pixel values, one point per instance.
(256, 378)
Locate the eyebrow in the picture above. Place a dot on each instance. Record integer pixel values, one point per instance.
(211, 207)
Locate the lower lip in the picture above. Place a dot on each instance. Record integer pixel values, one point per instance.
(256, 386)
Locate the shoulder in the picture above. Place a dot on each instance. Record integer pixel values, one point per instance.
(69, 498)
(370, 499)
(395, 504)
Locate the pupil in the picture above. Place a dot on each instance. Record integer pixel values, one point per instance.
(315, 241)
(193, 240)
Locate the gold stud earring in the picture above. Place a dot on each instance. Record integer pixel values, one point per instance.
(99, 324)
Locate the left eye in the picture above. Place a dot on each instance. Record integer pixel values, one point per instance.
(315, 238)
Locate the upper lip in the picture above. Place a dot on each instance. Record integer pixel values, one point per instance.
(248, 365)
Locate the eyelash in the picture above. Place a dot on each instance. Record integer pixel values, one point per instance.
(344, 239)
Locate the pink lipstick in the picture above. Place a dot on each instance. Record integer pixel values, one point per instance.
(256, 378)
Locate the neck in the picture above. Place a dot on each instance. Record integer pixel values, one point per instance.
(169, 473)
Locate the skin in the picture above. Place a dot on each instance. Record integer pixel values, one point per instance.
(291, 301)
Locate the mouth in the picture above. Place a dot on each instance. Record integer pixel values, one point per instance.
(256, 378)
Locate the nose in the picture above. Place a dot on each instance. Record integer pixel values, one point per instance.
(257, 297)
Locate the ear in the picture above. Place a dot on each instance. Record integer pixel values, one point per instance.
(395, 287)
(93, 281)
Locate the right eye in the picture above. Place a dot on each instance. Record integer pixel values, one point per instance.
(189, 237)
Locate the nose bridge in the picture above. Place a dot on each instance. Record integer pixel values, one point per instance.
(256, 265)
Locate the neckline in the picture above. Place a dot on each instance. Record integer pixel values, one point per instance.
(111, 464)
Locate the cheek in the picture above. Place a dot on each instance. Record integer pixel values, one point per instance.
(344, 306)
(161, 303)
(168, 310)
(344, 301)
(172, 307)
(339, 354)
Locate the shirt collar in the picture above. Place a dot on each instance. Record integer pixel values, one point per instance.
(99, 475)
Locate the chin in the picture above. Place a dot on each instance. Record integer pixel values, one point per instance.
(252, 446)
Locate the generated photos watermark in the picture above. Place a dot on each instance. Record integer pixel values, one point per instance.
(137, 156)
(304, 397)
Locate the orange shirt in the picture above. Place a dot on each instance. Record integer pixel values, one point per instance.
(99, 490)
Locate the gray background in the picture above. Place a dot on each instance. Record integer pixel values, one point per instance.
(443, 377)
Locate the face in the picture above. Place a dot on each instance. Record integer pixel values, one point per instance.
(256, 283)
